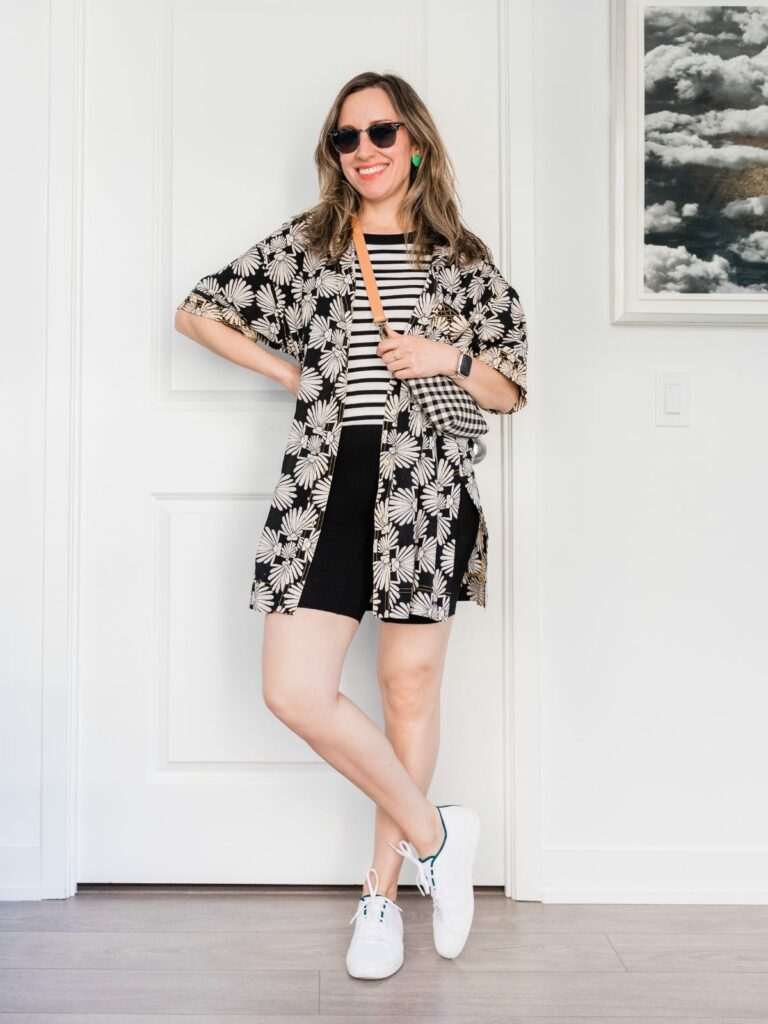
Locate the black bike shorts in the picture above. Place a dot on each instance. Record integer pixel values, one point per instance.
(340, 578)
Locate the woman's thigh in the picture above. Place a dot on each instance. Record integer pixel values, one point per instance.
(302, 658)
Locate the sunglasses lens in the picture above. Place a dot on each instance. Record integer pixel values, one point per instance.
(383, 135)
(346, 141)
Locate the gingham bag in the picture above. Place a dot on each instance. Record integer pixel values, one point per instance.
(450, 408)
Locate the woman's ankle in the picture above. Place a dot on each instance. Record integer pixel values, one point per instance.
(390, 892)
(430, 846)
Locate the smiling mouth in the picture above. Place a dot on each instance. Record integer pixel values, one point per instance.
(372, 173)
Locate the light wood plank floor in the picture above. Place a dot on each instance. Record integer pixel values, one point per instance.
(210, 954)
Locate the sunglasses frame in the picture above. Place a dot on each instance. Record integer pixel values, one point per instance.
(359, 131)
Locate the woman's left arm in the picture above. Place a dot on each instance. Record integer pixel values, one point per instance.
(495, 336)
(498, 380)
(491, 388)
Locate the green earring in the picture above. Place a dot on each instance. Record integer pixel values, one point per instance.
(416, 159)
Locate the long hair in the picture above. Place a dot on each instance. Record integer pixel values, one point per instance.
(430, 206)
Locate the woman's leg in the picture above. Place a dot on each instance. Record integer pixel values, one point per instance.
(302, 658)
(410, 670)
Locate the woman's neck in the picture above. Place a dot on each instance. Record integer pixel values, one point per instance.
(381, 229)
(380, 226)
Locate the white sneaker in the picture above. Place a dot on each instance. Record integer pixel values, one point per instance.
(376, 949)
(447, 875)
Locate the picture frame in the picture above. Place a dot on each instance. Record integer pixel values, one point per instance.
(689, 163)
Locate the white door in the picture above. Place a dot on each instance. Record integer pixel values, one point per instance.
(200, 125)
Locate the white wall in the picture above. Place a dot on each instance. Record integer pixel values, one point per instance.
(23, 201)
(652, 544)
(652, 550)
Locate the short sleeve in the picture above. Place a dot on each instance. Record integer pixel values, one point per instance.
(258, 293)
(499, 331)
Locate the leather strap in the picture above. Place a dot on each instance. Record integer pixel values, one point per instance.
(379, 316)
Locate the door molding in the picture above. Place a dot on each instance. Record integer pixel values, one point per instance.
(518, 541)
(517, 544)
(61, 514)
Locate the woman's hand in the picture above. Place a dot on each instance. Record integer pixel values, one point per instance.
(413, 355)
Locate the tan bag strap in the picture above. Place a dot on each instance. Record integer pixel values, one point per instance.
(379, 316)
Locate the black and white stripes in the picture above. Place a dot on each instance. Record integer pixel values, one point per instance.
(400, 284)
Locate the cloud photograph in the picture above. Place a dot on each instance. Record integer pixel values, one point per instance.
(706, 150)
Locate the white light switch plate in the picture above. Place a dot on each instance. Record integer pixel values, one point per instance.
(673, 399)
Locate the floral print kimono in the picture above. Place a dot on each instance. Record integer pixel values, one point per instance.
(279, 294)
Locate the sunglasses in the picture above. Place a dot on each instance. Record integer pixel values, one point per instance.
(382, 135)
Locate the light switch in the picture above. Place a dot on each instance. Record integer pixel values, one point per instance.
(673, 399)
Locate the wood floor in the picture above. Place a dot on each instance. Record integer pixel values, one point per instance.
(203, 955)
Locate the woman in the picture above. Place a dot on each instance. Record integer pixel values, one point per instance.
(375, 510)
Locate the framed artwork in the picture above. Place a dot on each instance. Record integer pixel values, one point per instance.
(689, 163)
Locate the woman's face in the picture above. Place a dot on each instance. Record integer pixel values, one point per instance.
(388, 186)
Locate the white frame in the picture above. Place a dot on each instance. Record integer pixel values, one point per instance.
(58, 875)
(59, 733)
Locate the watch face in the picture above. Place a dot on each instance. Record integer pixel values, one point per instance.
(466, 365)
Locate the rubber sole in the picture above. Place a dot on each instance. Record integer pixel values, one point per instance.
(371, 976)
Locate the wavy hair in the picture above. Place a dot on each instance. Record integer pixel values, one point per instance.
(430, 206)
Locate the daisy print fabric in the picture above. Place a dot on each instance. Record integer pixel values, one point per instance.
(280, 294)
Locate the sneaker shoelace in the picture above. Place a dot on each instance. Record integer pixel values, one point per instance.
(425, 871)
(425, 878)
(373, 904)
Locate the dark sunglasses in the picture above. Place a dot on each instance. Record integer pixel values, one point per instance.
(383, 135)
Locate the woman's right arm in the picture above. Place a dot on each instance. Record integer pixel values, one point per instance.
(235, 346)
(252, 308)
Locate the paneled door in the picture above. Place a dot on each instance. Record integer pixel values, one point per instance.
(200, 121)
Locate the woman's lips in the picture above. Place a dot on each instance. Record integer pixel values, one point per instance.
(370, 176)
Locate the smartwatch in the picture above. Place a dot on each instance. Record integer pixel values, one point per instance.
(464, 366)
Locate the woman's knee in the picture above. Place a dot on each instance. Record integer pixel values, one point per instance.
(410, 690)
(276, 697)
(291, 700)
(302, 657)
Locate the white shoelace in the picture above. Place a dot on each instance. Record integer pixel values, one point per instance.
(369, 900)
(425, 873)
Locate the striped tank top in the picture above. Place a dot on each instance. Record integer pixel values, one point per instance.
(400, 284)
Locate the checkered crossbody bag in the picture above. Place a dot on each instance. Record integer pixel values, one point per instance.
(450, 408)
